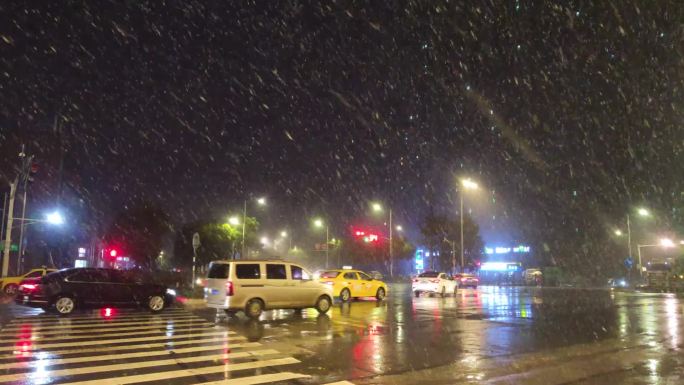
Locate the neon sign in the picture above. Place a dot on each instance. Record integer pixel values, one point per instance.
(506, 250)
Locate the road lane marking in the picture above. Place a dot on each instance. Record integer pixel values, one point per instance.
(42, 363)
(61, 321)
(182, 328)
(170, 344)
(43, 374)
(97, 314)
(71, 331)
(340, 383)
(224, 368)
(112, 341)
(259, 379)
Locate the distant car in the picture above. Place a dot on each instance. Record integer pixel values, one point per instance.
(434, 282)
(348, 284)
(10, 285)
(254, 286)
(376, 275)
(467, 280)
(70, 289)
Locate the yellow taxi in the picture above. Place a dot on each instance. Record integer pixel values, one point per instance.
(10, 285)
(348, 284)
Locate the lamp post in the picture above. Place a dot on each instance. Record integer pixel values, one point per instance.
(260, 202)
(377, 207)
(665, 243)
(642, 212)
(319, 223)
(466, 184)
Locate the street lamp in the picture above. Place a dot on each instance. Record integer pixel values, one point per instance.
(283, 234)
(642, 212)
(319, 224)
(399, 228)
(618, 232)
(467, 184)
(54, 218)
(234, 221)
(377, 207)
(261, 202)
(664, 243)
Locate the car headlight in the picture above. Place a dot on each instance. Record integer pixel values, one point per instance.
(171, 292)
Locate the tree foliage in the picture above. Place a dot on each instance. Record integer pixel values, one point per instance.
(217, 241)
(138, 231)
(440, 231)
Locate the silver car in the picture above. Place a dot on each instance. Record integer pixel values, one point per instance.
(255, 286)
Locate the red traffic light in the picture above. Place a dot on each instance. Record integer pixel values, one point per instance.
(112, 253)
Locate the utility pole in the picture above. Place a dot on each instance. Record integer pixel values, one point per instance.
(391, 267)
(462, 259)
(327, 246)
(244, 222)
(8, 234)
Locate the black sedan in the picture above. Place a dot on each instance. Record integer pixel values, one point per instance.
(68, 289)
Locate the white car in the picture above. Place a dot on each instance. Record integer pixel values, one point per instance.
(434, 282)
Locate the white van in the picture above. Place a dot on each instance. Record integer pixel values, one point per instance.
(253, 286)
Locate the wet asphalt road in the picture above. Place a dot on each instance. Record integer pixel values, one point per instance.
(489, 335)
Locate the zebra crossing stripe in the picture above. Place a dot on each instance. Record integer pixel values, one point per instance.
(107, 335)
(223, 368)
(71, 331)
(43, 374)
(66, 324)
(339, 383)
(42, 363)
(115, 341)
(93, 320)
(259, 379)
(124, 348)
(49, 316)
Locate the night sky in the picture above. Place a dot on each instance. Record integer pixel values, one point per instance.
(570, 115)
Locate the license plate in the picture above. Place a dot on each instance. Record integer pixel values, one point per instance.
(214, 292)
(26, 298)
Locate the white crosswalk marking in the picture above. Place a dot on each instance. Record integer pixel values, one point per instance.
(104, 328)
(136, 347)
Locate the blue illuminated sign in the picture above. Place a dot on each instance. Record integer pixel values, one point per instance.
(419, 259)
(506, 250)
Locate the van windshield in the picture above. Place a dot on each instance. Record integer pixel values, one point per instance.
(219, 271)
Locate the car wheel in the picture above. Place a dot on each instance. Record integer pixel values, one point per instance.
(65, 305)
(254, 308)
(416, 293)
(443, 293)
(323, 304)
(380, 295)
(11, 289)
(345, 295)
(156, 303)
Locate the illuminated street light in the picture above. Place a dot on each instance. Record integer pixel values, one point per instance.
(283, 234)
(55, 218)
(399, 228)
(666, 242)
(643, 212)
(319, 223)
(264, 240)
(468, 184)
(618, 232)
(234, 220)
(261, 201)
(377, 207)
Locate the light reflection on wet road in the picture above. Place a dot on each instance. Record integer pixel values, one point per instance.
(488, 335)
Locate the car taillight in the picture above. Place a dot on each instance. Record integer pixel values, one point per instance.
(229, 288)
(434, 280)
(28, 286)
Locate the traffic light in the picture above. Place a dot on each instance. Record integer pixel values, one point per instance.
(113, 253)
